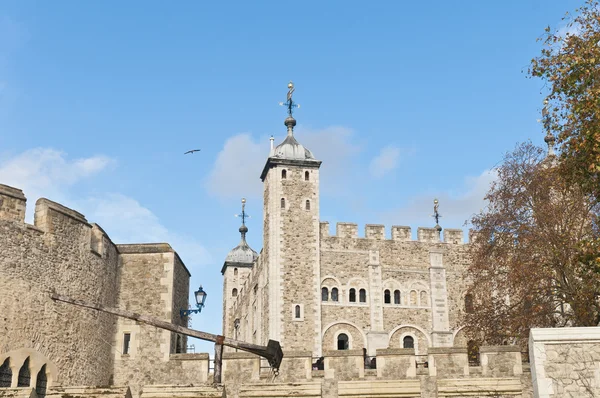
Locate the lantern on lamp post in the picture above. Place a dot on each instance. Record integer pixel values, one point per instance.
(200, 295)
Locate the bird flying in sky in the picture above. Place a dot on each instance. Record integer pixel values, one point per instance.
(192, 151)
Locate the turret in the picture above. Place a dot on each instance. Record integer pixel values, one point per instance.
(237, 266)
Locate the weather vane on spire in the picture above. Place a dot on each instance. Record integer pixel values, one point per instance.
(243, 214)
(436, 214)
(290, 104)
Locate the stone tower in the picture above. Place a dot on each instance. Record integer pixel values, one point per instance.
(291, 241)
(237, 266)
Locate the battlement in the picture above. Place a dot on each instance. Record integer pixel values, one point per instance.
(346, 230)
(12, 204)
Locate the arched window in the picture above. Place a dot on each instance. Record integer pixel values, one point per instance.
(234, 292)
(5, 374)
(469, 303)
(324, 294)
(41, 382)
(353, 295)
(386, 297)
(408, 342)
(342, 342)
(283, 174)
(413, 297)
(235, 272)
(396, 296)
(334, 294)
(362, 295)
(306, 176)
(24, 375)
(282, 203)
(297, 311)
(308, 205)
(473, 353)
(423, 298)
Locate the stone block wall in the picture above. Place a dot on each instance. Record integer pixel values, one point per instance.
(565, 362)
(396, 364)
(501, 361)
(56, 254)
(344, 364)
(153, 281)
(448, 362)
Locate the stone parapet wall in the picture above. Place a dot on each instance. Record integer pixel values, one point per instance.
(448, 362)
(565, 362)
(57, 254)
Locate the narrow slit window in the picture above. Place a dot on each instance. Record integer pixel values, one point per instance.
(234, 292)
(235, 272)
(362, 295)
(352, 295)
(297, 311)
(283, 174)
(469, 304)
(324, 294)
(41, 382)
(306, 176)
(396, 296)
(342, 342)
(126, 341)
(5, 374)
(282, 203)
(24, 379)
(386, 297)
(334, 294)
(308, 205)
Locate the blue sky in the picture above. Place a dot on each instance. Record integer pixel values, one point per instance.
(403, 101)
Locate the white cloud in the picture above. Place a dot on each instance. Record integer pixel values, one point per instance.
(386, 161)
(456, 207)
(44, 172)
(127, 221)
(235, 172)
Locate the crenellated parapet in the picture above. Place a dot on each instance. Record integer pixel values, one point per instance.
(346, 230)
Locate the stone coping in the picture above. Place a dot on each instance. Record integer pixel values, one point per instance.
(17, 392)
(201, 356)
(559, 335)
(499, 348)
(343, 353)
(88, 391)
(75, 215)
(297, 354)
(138, 248)
(12, 192)
(395, 351)
(447, 350)
(241, 355)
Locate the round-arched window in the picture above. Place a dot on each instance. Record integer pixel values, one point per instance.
(342, 342)
(408, 342)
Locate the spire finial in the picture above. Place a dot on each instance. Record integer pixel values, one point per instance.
(290, 122)
(243, 215)
(546, 120)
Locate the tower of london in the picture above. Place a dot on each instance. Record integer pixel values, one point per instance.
(315, 290)
(378, 315)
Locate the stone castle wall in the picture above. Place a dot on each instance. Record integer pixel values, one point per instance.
(376, 264)
(61, 252)
(151, 275)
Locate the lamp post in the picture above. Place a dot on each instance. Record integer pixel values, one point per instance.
(200, 299)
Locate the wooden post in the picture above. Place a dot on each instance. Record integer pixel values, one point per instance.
(218, 362)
